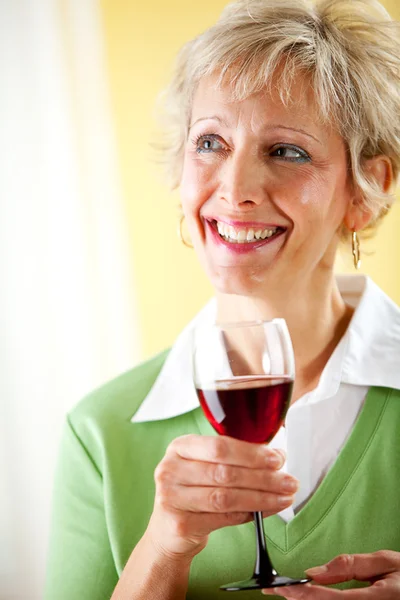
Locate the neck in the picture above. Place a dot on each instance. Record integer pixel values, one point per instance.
(316, 316)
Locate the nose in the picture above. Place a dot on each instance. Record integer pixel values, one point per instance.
(242, 180)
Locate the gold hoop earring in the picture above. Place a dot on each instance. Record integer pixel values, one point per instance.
(180, 234)
(355, 250)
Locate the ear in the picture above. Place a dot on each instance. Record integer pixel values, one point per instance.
(380, 171)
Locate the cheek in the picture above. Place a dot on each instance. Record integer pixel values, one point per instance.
(305, 202)
(313, 193)
(310, 197)
(320, 202)
(195, 188)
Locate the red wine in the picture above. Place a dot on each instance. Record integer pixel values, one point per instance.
(247, 408)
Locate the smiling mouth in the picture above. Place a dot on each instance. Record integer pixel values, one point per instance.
(245, 235)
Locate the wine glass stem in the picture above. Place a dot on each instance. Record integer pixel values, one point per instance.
(263, 568)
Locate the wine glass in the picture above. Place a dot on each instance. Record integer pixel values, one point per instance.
(244, 373)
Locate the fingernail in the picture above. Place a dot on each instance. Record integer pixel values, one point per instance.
(275, 459)
(290, 484)
(317, 570)
(285, 500)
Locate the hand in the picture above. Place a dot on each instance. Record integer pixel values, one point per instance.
(205, 483)
(381, 568)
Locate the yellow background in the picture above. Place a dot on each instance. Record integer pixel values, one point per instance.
(142, 39)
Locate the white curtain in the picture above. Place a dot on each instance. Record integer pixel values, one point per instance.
(67, 311)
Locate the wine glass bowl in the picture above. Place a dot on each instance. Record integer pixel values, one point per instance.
(244, 374)
(249, 409)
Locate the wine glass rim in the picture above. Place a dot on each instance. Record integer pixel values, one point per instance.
(254, 323)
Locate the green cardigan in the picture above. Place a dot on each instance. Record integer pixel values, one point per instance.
(104, 491)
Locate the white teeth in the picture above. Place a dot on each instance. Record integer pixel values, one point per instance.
(241, 236)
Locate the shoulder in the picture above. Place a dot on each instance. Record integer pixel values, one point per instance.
(118, 399)
(372, 346)
(394, 394)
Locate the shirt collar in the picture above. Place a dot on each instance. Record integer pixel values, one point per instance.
(373, 338)
(367, 355)
(173, 392)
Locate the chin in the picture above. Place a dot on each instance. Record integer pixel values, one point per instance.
(229, 281)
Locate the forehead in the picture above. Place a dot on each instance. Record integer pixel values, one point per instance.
(298, 108)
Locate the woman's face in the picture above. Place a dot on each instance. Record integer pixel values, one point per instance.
(264, 188)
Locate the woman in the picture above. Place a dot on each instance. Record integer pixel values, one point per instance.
(285, 141)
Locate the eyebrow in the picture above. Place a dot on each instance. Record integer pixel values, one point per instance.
(266, 128)
(215, 118)
(292, 129)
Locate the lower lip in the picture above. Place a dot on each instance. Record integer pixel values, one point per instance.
(241, 248)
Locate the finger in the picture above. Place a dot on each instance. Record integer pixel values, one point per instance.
(294, 591)
(316, 592)
(384, 589)
(223, 449)
(201, 524)
(222, 500)
(363, 567)
(185, 472)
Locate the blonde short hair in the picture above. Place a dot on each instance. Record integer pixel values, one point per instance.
(349, 48)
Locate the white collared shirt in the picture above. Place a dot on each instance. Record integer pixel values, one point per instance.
(318, 424)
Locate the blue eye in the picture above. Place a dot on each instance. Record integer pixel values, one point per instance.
(207, 143)
(291, 153)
